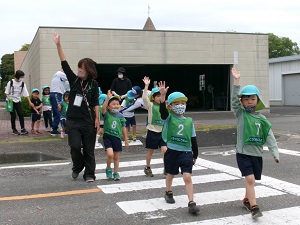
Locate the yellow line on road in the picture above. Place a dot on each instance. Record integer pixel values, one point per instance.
(48, 195)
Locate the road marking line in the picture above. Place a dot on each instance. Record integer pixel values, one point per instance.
(265, 180)
(285, 151)
(131, 163)
(205, 198)
(48, 195)
(34, 165)
(279, 216)
(155, 184)
(140, 172)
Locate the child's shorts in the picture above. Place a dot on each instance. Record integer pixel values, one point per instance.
(174, 160)
(249, 165)
(35, 117)
(113, 142)
(154, 140)
(130, 121)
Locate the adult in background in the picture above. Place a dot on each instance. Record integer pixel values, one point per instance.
(121, 84)
(16, 88)
(57, 89)
(82, 114)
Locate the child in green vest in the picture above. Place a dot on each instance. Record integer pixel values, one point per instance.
(182, 148)
(114, 127)
(253, 131)
(47, 108)
(63, 107)
(154, 125)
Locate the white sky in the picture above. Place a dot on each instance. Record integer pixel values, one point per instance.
(20, 19)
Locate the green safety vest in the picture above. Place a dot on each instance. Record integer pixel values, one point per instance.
(46, 100)
(256, 130)
(100, 111)
(128, 102)
(64, 108)
(156, 117)
(113, 125)
(179, 131)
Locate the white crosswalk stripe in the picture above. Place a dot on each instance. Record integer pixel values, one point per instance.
(156, 208)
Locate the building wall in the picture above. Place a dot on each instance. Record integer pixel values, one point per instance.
(18, 59)
(112, 46)
(279, 67)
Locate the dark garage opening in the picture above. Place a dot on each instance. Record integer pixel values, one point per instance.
(183, 78)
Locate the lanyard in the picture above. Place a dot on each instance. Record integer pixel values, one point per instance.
(83, 89)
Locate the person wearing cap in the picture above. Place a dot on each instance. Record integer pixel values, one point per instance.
(57, 88)
(253, 131)
(63, 108)
(47, 108)
(182, 148)
(82, 114)
(102, 98)
(128, 100)
(154, 125)
(16, 88)
(121, 84)
(114, 127)
(36, 111)
(136, 93)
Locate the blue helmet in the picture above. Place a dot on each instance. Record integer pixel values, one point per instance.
(153, 91)
(102, 98)
(178, 96)
(253, 90)
(35, 90)
(44, 87)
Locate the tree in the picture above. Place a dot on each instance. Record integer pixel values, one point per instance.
(7, 66)
(282, 46)
(25, 47)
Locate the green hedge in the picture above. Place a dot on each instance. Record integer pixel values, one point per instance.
(25, 107)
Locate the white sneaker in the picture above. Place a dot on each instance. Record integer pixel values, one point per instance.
(97, 145)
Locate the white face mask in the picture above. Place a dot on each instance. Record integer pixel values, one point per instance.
(21, 79)
(120, 76)
(115, 110)
(81, 74)
(179, 109)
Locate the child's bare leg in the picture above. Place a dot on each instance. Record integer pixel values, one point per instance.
(38, 122)
(163, 151)
(116, 161)
(250, 191)
(134, 130)
(169, 180)
(32, 125)
(149, 156)
(109, 157)
(188, 186)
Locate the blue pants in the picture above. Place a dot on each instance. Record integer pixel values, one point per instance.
(55, 98)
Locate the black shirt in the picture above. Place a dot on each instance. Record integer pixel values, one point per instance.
(35, 102)
(88, 88)
(121, 86)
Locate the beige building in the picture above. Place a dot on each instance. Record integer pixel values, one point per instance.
(181, 58)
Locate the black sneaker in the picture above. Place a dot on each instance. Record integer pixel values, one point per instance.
(169, 197)
(15, 132)
(54, 133)
(24, 131)
(193, 208)
(148, 172)
(246, 204)
(255, 211)
(74, 175)
(89, 179)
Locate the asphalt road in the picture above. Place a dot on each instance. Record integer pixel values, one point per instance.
(44, 193)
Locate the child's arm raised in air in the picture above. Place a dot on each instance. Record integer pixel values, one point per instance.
(236, 75)
(104, 106)
(163, 91)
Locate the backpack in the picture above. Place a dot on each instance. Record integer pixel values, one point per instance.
(11, 86)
